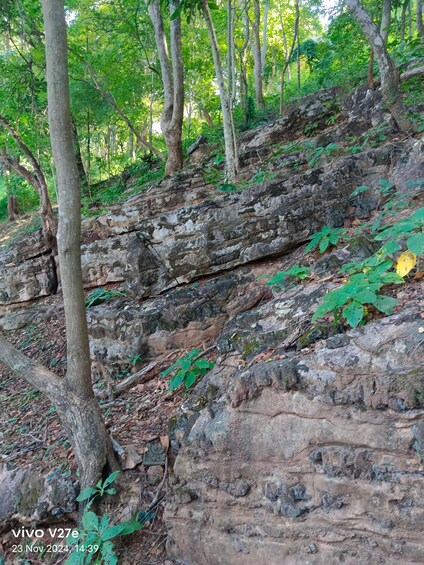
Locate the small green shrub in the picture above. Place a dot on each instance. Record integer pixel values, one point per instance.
(297, 271)
(319, 152)
(349, 301)
(99, 295)
(325, 237)
(187, 370)
(94, 541)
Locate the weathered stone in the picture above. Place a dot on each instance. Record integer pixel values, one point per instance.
(131, 457)
(340, 443)
(154, 474)
(26, 497)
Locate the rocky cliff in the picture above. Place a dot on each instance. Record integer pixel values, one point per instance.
(304, 444)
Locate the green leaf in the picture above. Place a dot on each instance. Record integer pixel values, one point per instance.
(130, 527)
(108, 554)
(185, 365)
(203, 364)
(365, 296)
(190, 378)
(360, 189)
(86, 494)
(111, 532)
(90, 521)
(353, 313)
(385, 304)
(415, 243)
(104, 522)
(109, 480)
(323, 244)
(175, 381)
(391, 278)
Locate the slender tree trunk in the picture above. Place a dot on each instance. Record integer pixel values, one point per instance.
(288, 55)
(243, 88)
(256, 52)
(78, 156)
(390, 81)
(131, 146)
(385, 20)
(264, 36)
(12, 200)
(384, 30)
(231, 152)
(37, 180)
(74, 397)
(419, 17)
(12, 207)
(403, 19)
(173, 83)
(208, 118)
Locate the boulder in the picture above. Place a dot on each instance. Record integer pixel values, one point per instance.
(27, 498)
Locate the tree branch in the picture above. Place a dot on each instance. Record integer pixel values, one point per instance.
(36, 374)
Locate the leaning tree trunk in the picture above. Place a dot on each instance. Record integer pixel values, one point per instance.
(230, 142)
(75, 400)
(36, 179)
(390, 82)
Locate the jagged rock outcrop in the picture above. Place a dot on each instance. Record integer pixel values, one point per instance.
(312, 458)
(184, 228)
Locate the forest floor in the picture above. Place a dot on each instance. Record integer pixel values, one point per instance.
(32, 436)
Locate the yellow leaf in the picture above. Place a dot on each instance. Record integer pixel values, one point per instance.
(406, 263)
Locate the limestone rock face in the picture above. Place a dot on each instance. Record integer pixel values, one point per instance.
(315, 458)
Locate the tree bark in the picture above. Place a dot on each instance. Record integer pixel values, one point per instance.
(288, 55)
(390, 82)
(404, 9)
(73, 396)
(37, 179)
(384, 30)
(264, 36)
(78, 157)
(419, 17)
(12, 207)
(173, 83)
(256, 52)
(231, 153)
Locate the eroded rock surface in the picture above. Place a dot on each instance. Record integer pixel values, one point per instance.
(316, 458)
(27, 498)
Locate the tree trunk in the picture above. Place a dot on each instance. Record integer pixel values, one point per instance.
(256, 52)
(173, 83)
(12, 207)
(390, 82)
(231, 156)
(384, 30)
(385, 20)
(419, 17)
(74, 397)
(37, 179)
(78, 156)
(288, 55)
(403, 19)
(264, 36)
